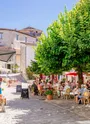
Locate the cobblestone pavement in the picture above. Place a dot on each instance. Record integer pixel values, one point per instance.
(38, 111)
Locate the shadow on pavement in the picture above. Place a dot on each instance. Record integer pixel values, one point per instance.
(36, 111)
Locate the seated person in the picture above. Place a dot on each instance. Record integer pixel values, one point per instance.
(59, 89)
(34, 88)
(40, 88)
(49, 85)
(88, 86)
(86, 95)
(80, 94)
(76, 92)
(65, 88)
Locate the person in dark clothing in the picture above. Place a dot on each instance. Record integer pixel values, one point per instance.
(35, 88)
(88, 85)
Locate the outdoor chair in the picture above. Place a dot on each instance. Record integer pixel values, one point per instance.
(2, 105)
(55, 91)
(86, 96)
(67, 93)
(41, 91)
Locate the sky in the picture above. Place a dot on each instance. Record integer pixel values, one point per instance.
(18, 14)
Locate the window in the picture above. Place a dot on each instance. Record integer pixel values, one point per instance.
(17, 36)
(8, 66)
(1, 35)
(25, 39)
(36, 39)
(31, 33)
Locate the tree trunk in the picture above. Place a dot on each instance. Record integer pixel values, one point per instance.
(80, 76)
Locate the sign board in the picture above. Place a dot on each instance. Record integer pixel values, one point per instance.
(24, 85)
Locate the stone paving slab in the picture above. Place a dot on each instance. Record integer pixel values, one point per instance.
(70, 105)
(79, 109)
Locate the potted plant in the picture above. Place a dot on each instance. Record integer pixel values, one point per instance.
(49, 94)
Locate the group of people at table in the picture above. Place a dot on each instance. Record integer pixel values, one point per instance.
(63, 89)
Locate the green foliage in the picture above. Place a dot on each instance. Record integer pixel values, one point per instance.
(77, 34)
(15, 68)
(29, 73)
(49, 92)
(35, 68)
(50, 51)
(67, 43)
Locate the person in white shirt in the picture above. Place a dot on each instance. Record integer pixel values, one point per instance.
(65, 88)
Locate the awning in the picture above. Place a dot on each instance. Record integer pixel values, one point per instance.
(72, 73)
(6, 53)
(12, 76)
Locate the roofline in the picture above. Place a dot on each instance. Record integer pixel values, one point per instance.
(32, 44)
(32, 28)
(7, 53)
(17, 31)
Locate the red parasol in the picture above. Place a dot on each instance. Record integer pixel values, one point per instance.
(72, 73)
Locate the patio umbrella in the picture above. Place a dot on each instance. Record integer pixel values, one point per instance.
(6, 53)
(72, 73)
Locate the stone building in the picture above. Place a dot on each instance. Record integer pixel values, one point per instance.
(23, 41)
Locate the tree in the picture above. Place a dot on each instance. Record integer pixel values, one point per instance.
(29, 73)
(76, 32)
(15, 68)
(51, 50)
(35, 68)
(67, 43)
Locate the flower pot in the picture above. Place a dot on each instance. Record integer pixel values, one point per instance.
(49, 97)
